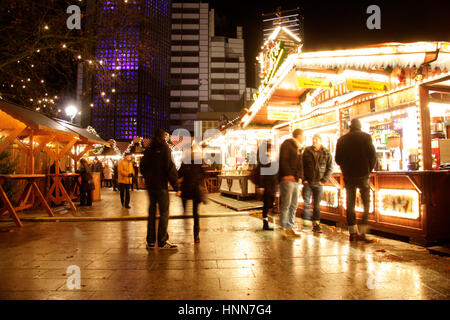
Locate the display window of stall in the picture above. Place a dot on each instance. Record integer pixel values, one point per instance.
(240, 149)
(440, 130)
(395, 137)
(330, 197)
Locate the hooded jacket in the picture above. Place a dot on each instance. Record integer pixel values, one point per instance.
(355, 154)
(158, 168)
(290, 160)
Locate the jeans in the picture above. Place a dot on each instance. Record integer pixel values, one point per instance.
(314, 190)
(289, 202)
(124, 194)
(364, 188)
(160, 197)
(195, 204)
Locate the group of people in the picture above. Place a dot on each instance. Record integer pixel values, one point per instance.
(109, 171)
(312, 166)
(120, 175)
(159, 170)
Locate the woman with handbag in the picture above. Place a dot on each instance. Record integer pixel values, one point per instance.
(87, 184)
(191, 176)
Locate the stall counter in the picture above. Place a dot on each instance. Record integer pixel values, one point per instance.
(237, 185)
(412, 204)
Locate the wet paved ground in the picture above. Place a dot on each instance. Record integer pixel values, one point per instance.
(235, 260)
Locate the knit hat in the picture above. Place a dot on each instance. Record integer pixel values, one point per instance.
(355, 124)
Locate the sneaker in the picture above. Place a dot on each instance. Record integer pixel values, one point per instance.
(127, 207)
(353, 237)
(307, 223)
(317, 229)
(362, 238)
(291, 233)
(168, 245)
(151, 245)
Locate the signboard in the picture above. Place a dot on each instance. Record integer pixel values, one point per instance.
(367, 85)
(270, 60)
(283, 113)
(315, 83)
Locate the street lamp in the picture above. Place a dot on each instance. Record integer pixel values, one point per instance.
(71, 111)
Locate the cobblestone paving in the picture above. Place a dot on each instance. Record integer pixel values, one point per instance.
(234, 260)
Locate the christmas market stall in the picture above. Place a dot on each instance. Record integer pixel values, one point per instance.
(240, 141)
(401, 94)
(43, 148)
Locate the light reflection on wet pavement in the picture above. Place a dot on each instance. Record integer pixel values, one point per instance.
(235, 260)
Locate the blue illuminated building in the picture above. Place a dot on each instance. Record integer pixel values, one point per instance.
(131, 89)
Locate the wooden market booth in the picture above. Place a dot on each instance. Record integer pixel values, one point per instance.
(32, 134)
(400, 92)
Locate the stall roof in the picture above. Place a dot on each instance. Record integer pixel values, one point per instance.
(42, 123)
(33, 119)
(379, 55)
(284, 91)
(83, 133)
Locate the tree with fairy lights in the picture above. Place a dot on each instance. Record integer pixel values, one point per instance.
(40, 57)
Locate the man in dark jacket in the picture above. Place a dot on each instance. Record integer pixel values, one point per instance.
(267, 181)
(290, 174)
(158, 170)
(317, 169)
(356, 156)
(87, 185)
(191, 177)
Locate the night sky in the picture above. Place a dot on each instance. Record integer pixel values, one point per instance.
(331, 25)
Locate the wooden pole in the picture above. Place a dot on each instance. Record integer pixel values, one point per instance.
(425, 120)
(57, 157)
(31, 153)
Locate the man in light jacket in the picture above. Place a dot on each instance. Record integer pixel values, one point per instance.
(290, 173)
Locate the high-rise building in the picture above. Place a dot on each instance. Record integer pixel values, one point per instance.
(189, 84)
(227, 72)
(291, 19)
(131, 89)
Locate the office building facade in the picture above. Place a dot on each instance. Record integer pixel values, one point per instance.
(189, 78)
(131, 86)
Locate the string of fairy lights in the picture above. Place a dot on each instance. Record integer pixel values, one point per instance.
(47, 100)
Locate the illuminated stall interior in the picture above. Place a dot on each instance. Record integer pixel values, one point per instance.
(401, 94)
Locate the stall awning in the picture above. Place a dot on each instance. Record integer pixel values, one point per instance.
(83, 133)
(375, 56)
(362, 62)
(35, 120)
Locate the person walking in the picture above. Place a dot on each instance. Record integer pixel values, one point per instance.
(115, 175)
(135, 176)
(158, 170)
(356, 156)
(108, 174)
(290, 173)
(126, 172)
(87, 185)
(267, 182)
(317, 169)
(191, 177)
